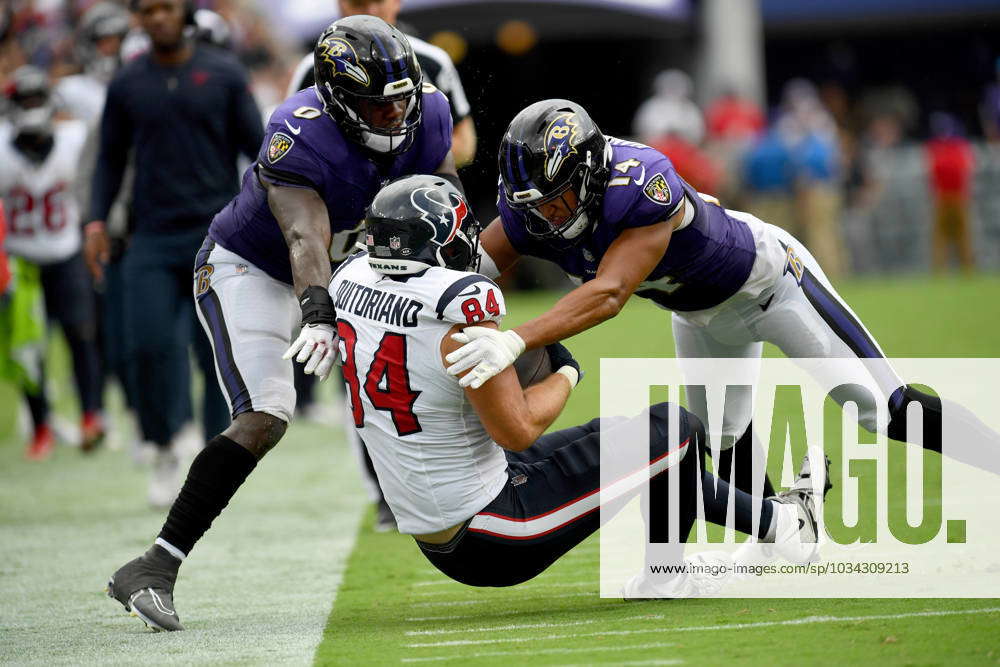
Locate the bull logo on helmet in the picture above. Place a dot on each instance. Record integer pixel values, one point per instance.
(560, 142)
(445, 217)
(341, 55)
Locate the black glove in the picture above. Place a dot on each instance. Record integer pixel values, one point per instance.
(560, 356)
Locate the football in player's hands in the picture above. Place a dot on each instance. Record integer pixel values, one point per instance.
(533, 366)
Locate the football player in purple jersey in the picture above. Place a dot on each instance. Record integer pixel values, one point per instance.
(619, 220)
(268, 258)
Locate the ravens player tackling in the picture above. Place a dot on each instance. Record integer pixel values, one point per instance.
(619, 220)
(488, 498)
(267, 261)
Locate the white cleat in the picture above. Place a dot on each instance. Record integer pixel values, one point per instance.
(797, 537)
(706, 573)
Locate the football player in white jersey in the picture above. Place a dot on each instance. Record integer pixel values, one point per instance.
(38, 169)
(468, 473)
(97, 45)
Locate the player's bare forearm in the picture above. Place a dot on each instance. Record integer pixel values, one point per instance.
(583, 308)
(545, 402)
(515, 418)
(304, 223)
(628, 261)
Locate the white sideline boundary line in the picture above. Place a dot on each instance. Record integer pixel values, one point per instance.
(527, 626)
(521, 640)
(705, 628)
(558, 651)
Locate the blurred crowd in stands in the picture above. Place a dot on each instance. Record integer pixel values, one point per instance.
(49, 34)
(864, 182)
(871, 181)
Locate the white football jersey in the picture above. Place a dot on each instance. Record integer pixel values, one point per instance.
(435, 461)
(82, 96)
(43, 216)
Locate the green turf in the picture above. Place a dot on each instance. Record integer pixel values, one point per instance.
(65, 524)
(393, 606)
(256, 590)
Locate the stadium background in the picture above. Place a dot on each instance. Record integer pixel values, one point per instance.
(295, 531)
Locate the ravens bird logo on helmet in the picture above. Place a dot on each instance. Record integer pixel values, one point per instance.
(341, 55)
(560, 142)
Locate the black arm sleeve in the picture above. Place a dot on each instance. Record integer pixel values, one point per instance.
(115, 142)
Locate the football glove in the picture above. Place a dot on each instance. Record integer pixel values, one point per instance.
(486, 351)
(318, 345)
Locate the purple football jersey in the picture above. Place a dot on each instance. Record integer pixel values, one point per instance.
(705, 263)
(304, 148)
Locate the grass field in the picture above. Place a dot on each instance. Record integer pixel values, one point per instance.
(260, 587)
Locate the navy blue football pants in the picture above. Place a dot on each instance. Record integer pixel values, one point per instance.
(160, 316)
(548, 505)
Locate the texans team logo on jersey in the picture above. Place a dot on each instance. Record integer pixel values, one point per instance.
(445, 217)
(280, 144)
(339, 53)
(657, 189)
(560, 142)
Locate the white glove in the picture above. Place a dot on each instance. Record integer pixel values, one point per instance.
(318, 346)
(487, 351)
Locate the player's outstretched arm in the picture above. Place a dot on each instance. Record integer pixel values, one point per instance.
(629, 260)
(632, 257)
(303, 220)
(515, 418)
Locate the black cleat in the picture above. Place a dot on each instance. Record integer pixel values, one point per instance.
(145, 586)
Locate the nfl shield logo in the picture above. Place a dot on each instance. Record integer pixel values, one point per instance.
(394, 242)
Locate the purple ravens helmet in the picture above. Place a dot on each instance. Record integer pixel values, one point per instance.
(554, 168)
(370, 82)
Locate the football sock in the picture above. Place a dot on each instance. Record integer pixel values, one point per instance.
(715, 495)
(38, 405)
(736, 464)
(211, 482)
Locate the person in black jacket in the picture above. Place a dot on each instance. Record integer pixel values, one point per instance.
(186, 112)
